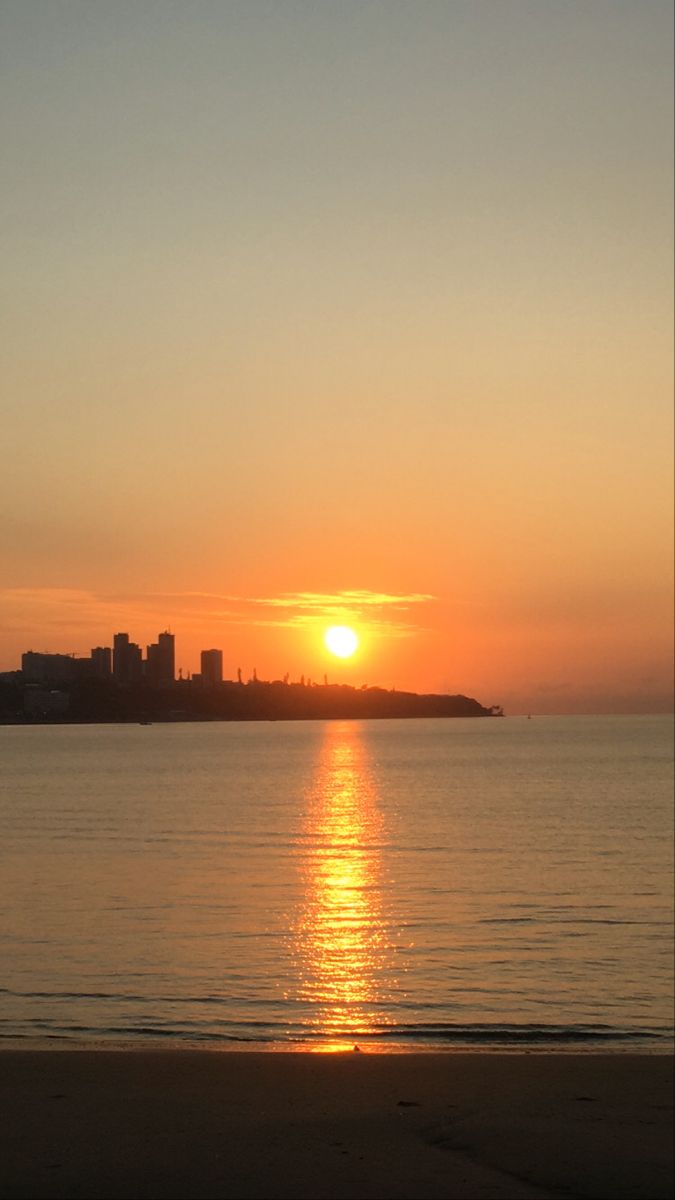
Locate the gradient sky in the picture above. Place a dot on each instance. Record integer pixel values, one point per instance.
(354, 311)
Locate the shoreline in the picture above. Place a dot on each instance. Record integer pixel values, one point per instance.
(58, 1043)
(158, 1123)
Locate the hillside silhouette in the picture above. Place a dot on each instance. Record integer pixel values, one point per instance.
(95, 700)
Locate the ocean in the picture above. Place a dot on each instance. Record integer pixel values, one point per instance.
(408, 884)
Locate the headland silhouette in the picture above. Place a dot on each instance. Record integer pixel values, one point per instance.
(118, 684)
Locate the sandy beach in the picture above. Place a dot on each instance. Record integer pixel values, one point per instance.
(471, 1126)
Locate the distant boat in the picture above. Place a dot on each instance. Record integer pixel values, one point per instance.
(145, 722)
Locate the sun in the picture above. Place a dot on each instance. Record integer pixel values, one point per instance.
(341, 640)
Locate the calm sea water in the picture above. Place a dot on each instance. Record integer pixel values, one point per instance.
(400, 883)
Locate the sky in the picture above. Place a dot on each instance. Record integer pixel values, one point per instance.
(353, 313)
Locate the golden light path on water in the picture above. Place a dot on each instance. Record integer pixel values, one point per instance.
(343, 940)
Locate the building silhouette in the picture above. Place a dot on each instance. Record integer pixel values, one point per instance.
(167, 657)
(160, 668)
(127, 660)
(124, 664)
(101, 662)
(212, 668)
(48, 668)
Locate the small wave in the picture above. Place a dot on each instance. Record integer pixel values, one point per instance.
(421, 1036)
(521, 1034)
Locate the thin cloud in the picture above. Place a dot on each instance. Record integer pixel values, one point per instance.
(353, 599)
(384, 613)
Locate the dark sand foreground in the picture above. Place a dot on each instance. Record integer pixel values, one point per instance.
(157, 1124)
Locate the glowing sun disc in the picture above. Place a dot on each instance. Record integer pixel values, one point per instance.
(341, 640)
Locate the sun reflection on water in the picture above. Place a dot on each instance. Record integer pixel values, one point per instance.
(342, 937)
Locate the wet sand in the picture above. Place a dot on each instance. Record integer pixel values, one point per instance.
(106, 1124)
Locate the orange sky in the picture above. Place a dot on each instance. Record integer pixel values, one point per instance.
(344, 313)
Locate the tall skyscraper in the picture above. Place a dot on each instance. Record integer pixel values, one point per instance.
(166, 658)
(101, 662)
(127, 660)
(212, 667)
(159, 663)
(121, 657)
(151, 665)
